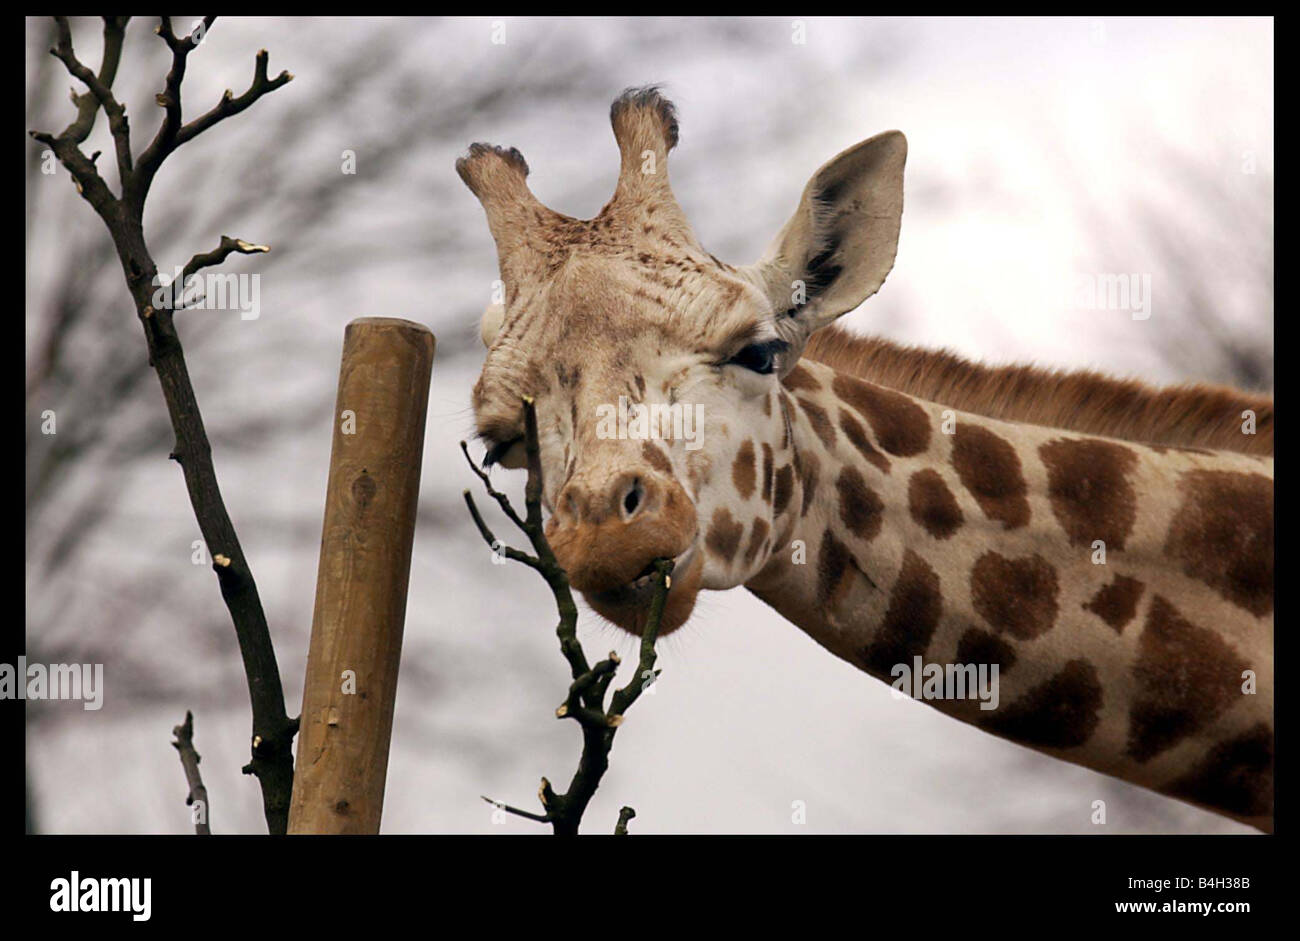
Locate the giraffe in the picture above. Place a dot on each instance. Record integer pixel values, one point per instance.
(1107, 545)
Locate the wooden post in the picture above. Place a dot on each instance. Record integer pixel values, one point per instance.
(365, 566)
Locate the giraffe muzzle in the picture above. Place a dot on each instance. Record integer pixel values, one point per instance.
(628, 605)
(608, 530)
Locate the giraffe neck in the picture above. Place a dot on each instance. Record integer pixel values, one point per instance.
(1125, 592)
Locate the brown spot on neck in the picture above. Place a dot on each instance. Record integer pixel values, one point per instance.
(901, 426)
(1089, 489)
(1223, 535)
(819, 420)
(932, 504)
(1016, 596)
(861, 509)
(1236, 776)
(977, 646)
(915, 605)
(782, 490)
(833, 564)
(800, 378)
(1116, 603)
(989, 468)
(1186, 677)
(756, 537)
(724, 534)
(808, 467)
(857, 436)
(767, 473)
(1060, 713)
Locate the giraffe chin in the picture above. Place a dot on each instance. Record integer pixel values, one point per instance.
(628, 606)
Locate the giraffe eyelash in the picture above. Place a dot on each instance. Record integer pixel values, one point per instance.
(759, 357)
(496, 451)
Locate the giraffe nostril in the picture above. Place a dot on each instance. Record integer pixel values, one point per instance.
(633, 498)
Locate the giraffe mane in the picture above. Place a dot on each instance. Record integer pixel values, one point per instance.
(1193, 415)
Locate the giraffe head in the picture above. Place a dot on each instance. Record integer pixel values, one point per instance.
(655, 368)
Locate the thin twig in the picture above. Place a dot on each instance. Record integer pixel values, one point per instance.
(229, 105)
(496, 545)
(190, 759)
(102, 91)
(502, 500)
(172, 134)
(219, 254)
(170, 98)
(540, 818)
(87, 103)
(225, 249)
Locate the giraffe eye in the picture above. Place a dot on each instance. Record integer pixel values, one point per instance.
(759, 357)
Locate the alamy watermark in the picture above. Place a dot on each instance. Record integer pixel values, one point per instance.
(88, 894)
(84, 681)
(210, 290)
(1102, 291)
(639, 422)
(946, 681)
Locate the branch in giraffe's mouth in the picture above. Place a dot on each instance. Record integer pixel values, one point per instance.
(638, 590)
(627, 606)
(643, 578)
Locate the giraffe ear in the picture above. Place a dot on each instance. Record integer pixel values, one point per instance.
(838, 247)
(490, 325)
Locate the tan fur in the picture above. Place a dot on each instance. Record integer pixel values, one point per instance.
(1193, 415)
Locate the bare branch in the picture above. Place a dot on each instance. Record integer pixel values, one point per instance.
(88, 103)
(219, 254)
(101, 89)
(229, 105)
(169, 99)
(84, 175)
(586, 696)
(273, 729)
(66, 145)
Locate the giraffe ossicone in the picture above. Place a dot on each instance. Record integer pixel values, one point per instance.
(1109, 546)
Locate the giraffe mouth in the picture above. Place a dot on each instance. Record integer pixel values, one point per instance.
(628, 605)
(639, 590)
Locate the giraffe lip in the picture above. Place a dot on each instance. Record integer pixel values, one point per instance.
(638, 590)
(628, 605)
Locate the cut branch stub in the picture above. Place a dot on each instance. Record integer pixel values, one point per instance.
(197, 797)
